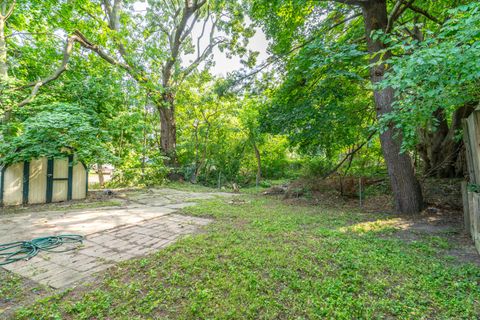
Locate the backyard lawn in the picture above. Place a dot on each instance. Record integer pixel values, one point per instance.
(265, 259)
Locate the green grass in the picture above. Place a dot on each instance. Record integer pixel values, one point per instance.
(267, 260)
(252, 189)
(11, 286)
(14, 290)
(186, 186)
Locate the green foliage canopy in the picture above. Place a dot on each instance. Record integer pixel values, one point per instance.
(441, 72)
(56, 130)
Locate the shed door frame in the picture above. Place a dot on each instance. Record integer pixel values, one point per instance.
(51, 179)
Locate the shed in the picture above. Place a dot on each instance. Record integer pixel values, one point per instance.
(43, 180)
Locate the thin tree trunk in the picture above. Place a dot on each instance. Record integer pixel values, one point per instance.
(101, 179)
(3, 51)
(193, 178)
(200, 162)
(4, 15)
(144, 147)
(259, 163)
(405, 186)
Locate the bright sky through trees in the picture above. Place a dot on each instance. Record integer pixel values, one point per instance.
(223, 64)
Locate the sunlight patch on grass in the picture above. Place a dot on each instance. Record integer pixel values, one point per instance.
(384, 226)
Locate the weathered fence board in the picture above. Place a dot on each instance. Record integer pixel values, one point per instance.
(470, 189)
(468, 152)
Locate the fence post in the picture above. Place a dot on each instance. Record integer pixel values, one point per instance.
(475, 220)
(360, 191)
(466, 206)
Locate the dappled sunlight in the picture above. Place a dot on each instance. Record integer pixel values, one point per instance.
(375, 226)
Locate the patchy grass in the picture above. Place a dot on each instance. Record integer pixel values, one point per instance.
(62, 206)
(264, 259)
(186, 186)
(15, 290)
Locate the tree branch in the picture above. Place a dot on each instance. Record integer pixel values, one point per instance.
(272, 60)
(179, 35)
(203, 30)
(423, 12)
(393, 15)
(63, 67)
(77, 37)
(349, 155)
(10, 10)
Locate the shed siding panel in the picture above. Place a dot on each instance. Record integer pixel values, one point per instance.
(60, 187)
(13, 185)
(79, 182)
(38, 181)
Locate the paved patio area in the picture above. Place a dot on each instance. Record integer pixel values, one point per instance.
(145, 225)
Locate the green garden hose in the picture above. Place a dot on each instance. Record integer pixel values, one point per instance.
(25, 250)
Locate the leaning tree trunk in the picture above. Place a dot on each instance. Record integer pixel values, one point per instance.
(405, 186)
(168, 131)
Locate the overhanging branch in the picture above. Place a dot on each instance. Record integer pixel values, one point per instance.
(77, 37)
(424, 13)
(272, 60)
(349, 155)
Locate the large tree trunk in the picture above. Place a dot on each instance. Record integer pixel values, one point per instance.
(405, 186)
(168, 131)
(441, 153)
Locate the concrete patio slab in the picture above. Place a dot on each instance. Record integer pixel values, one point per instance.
(112, 235)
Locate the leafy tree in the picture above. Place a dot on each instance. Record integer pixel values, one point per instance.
(54, 131)
(436, 79)
(249, 120)
(295, 24)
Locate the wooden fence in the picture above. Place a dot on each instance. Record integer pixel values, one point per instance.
(471, 189)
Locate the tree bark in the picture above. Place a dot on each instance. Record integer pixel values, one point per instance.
(405, 186)
(168, 130)
(441, 153)
(5, 13)
(3, 51)
(101, 178)
(200, 161)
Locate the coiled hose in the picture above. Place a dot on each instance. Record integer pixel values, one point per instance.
(25, 250)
